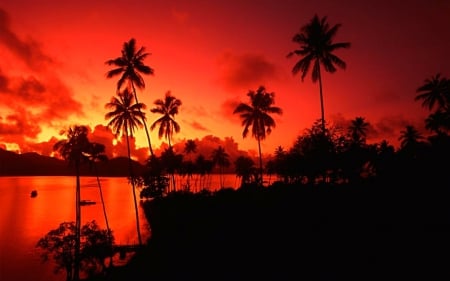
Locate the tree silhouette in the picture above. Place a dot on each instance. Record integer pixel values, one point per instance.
(129, 66)
(316, 44)
(124, 117)
(189, 147)
(358, 130)
(60, 244)
(435, 93)
(72, 150)
(221, 159)
(244, 168)
(168, 108)
(409, 137)
(256, 115)
(95, 154)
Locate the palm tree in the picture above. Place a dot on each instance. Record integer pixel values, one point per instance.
(435, 93)
(244, 168)
(220, 158)
(358, 130)
(168, 108)
(409, 137)
(95, 154)
(316, 48)
(257, 116)
(438, 122)
(130, 65)
(190, 147)
(72, 150)
(124, 117)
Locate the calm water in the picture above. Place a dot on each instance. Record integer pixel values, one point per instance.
(24, 220)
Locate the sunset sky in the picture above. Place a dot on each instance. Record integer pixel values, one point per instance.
(210, 54)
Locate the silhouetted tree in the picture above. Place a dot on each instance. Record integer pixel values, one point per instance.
(95, 154)
(171, 162)
(244, 168)
(168, 108)
(124, 117)
(130, 65)
(72, 150)
(221, 159)
(189, 167)
(60, 245)
(409, 137)
(256, 115)
(435, 93)
(358, 130)
(317, 48)
(154, 181)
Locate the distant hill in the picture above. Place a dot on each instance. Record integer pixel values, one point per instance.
(34, 164)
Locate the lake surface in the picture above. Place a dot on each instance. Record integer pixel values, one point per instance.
(24, 220)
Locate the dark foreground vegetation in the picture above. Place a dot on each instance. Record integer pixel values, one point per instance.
(380, 230)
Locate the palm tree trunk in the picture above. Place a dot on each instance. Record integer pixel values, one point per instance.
(130, 166)
(143, 121)
(260, 162)
(76, 274)
(172, 174)
(104, 211)
(321, 97)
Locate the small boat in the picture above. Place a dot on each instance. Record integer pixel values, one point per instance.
(34, 193)
(87, 202)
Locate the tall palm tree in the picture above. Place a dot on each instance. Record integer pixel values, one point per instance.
(220, 158)
(316, 44)
(130, 65)
(96, 154)
(435, 93)
(125, 116)
(72, 150)
(256, 115)
(168, 108)
(358, 130)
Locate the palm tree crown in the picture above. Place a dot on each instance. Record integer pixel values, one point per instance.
(257, 114)
(168, 108)
(316, 49)
(130, 65)
(358, 130)
(125, 115)
(435, 92)
(410, 136)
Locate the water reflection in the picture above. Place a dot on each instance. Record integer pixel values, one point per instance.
(23, 220)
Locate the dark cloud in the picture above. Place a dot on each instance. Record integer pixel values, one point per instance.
(197, 126)
(18, 125)
(37, 98)
(227, 108)
(245, 71)
(28, 51)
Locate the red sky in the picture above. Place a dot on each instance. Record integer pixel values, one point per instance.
(210, 54)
